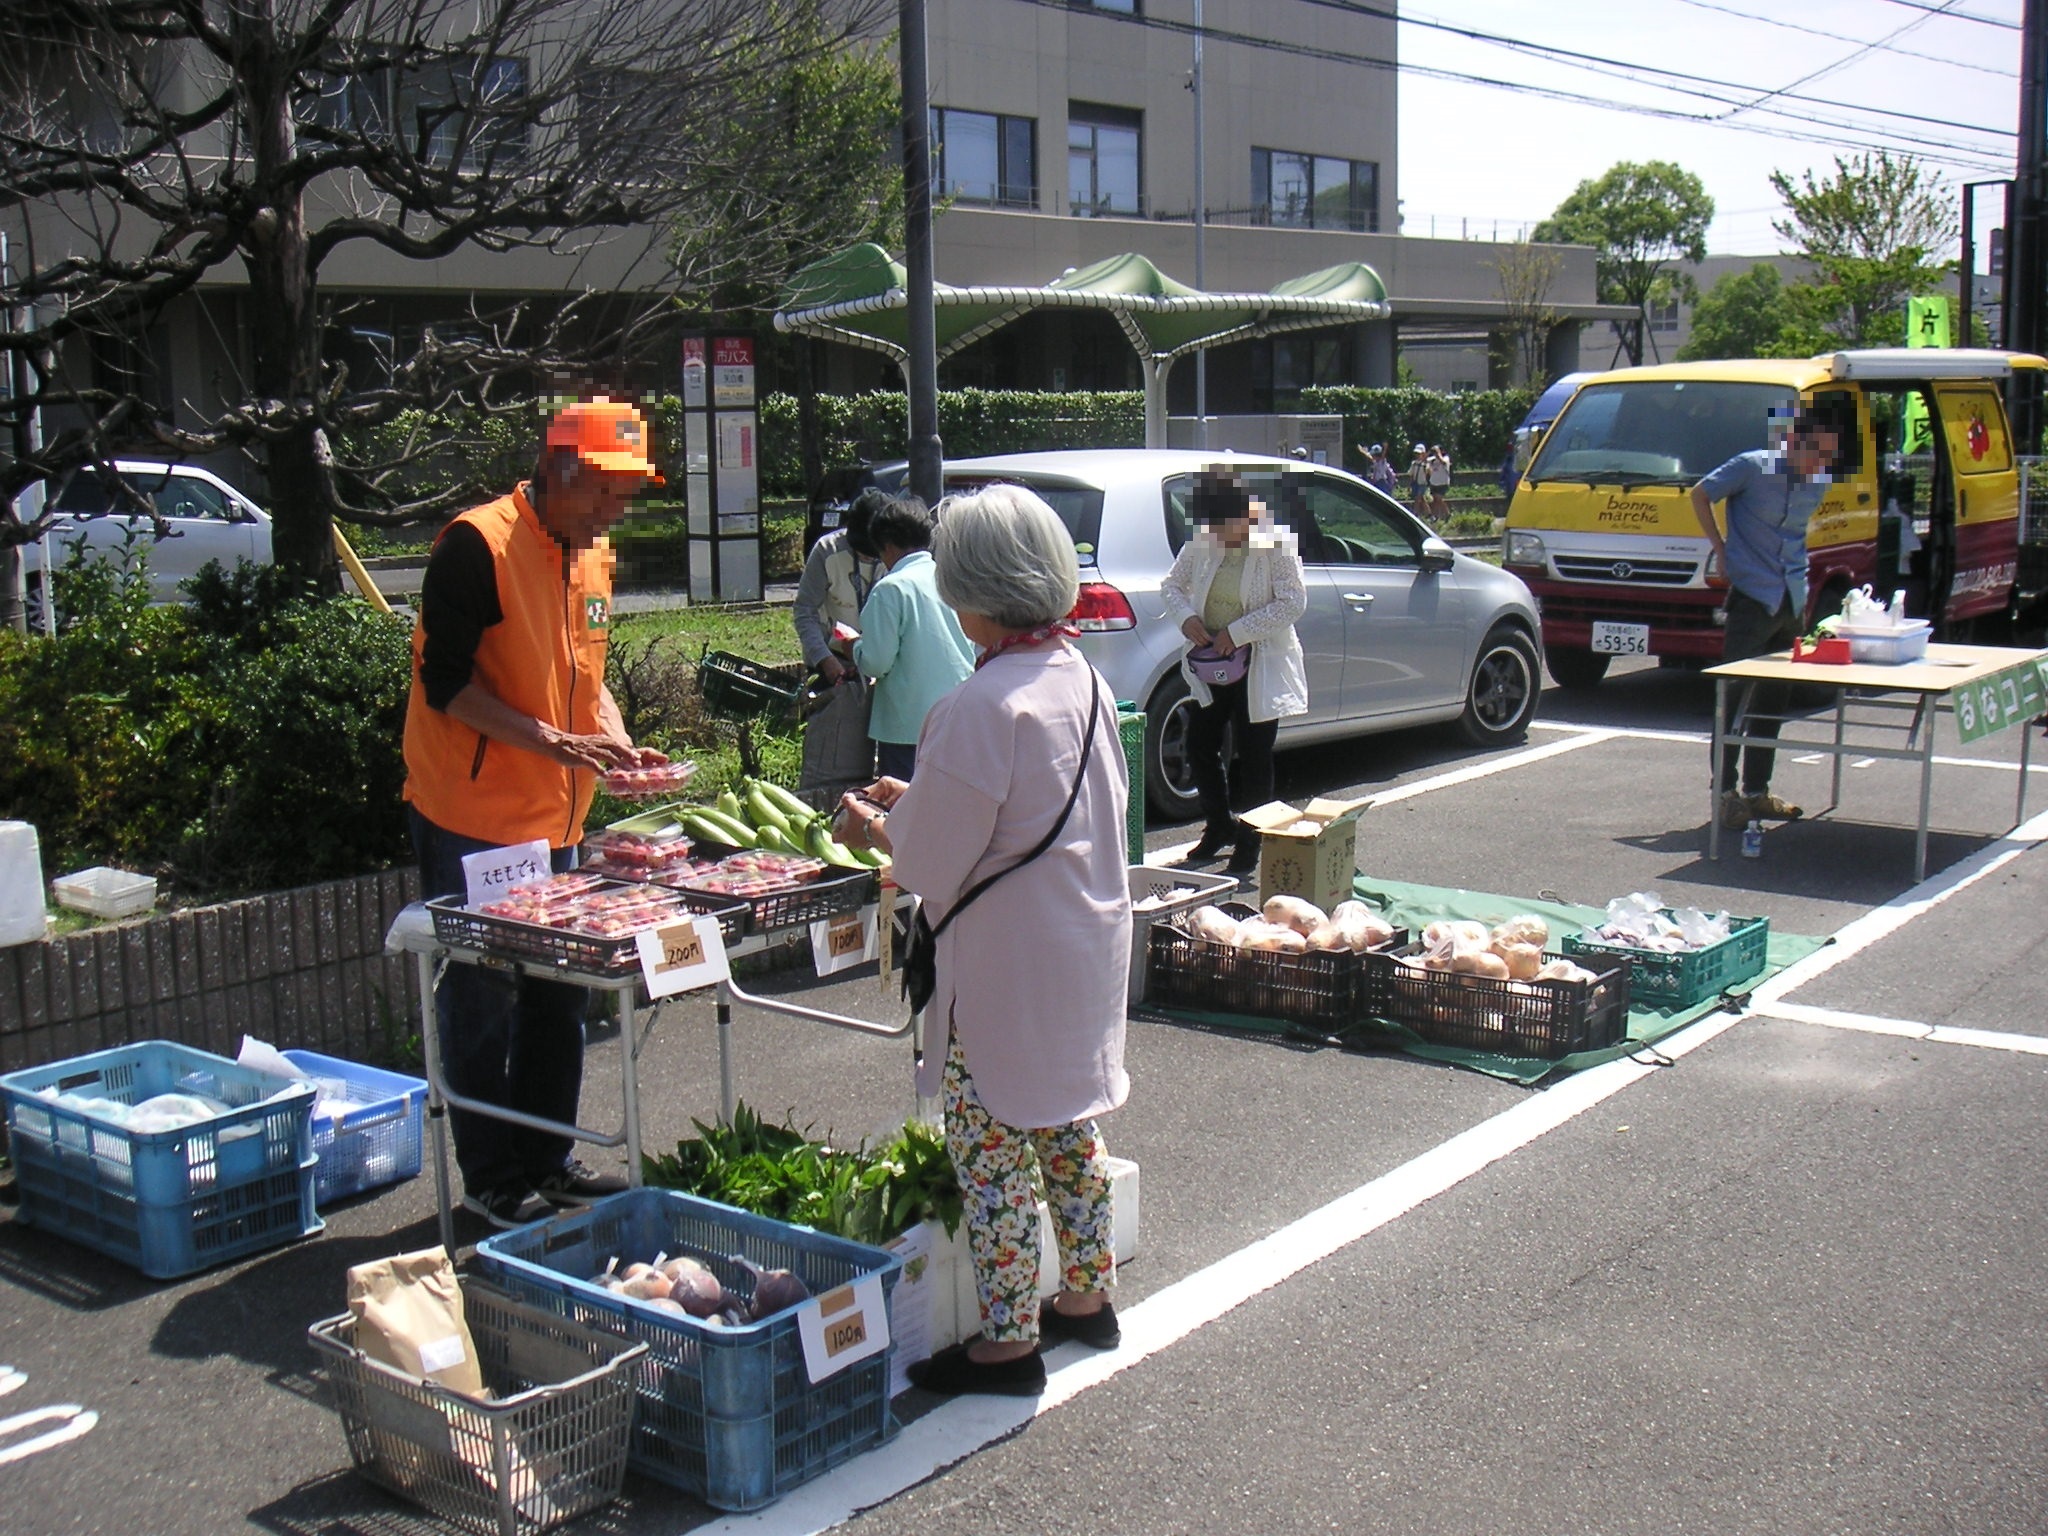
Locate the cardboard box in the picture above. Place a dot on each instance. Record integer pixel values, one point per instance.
(1318, 866)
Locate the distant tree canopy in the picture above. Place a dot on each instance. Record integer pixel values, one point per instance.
(1642, 219)
(1871, 231)
(1745, 314)
(152, 148)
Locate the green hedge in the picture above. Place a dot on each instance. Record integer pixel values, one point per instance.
(1475, 426)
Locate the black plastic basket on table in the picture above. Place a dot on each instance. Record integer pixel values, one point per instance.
(586, 954)
(841, 890)
(735, 688)
(1547, 1019)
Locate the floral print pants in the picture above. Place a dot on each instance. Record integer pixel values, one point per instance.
(995, 1164)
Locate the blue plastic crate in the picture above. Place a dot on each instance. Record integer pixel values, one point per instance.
(727, 1414)
(268, 1131)
(376, 1143)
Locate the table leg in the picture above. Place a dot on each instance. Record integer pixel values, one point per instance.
(437, 1107)
(1841, 724)
(1926, 795)
(727, 1101)
(629, 1042)
(1714, 773)
(2019, 810)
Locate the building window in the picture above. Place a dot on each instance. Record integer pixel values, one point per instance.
(1664, 318)
(1304, 191)
(427, 109)
(980, 157)
(1118, 7)
(1103, 162)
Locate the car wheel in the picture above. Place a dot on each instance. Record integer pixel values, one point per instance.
(1500, 700)
(1169, 781)
(1576, 669)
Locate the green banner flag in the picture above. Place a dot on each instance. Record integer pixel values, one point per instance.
(1928, 324)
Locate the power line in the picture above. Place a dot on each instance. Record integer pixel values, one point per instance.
(1982, 21)
(1963, 156)
(1847, 58)
(1600, 64)
(1843, 37)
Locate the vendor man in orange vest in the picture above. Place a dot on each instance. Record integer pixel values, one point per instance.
(509, 725)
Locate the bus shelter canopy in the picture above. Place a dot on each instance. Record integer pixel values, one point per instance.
(858, 297)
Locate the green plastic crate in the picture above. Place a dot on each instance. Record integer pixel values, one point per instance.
(1130, 725)
(1679, 980)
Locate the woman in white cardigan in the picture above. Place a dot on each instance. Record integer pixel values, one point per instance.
(1237, 584)
(1027, 1014)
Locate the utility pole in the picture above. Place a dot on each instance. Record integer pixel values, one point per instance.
(920, 364)
(1966, 288)
(1201, 230)
(2026, 232)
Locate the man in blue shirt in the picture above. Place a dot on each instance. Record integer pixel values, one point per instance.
(1772, 495)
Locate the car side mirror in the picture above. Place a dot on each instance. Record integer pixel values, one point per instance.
(1437, 557)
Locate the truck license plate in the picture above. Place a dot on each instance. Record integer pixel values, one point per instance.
(1621, 639)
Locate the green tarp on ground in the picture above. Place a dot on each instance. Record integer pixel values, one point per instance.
(1412, 906)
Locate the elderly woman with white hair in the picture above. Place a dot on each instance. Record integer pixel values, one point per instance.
(1013, 836)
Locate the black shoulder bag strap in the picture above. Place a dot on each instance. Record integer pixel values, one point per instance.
(920, 957)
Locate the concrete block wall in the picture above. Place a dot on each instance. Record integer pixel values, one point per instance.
(304, 968)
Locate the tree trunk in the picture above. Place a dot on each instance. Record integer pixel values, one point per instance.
(13, 613)
(284, 337)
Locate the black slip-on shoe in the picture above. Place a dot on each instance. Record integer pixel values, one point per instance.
(952, 1372)
(505, 1206)
(1098, 1330)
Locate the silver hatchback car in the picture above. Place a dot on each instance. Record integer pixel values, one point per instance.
(1401, 629)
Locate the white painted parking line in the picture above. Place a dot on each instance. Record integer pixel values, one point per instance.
(1591, 736)
(1911, 1029)
(10, 1378)
(960, 1428)
(73, 1422)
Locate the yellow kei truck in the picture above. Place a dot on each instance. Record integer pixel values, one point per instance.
(1601, 525)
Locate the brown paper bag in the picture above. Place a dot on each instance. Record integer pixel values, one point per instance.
(408, 1312)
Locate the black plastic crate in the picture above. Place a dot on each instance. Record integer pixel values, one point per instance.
(739, 689)
(1314, 987)
(829, 895)
(1546, 1019)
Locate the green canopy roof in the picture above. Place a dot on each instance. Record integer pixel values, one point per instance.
(858, 297)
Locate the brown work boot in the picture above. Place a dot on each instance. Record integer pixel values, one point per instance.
(1768, 807)
(1735, 812)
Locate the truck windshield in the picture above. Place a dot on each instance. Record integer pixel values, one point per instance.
(1668, 432)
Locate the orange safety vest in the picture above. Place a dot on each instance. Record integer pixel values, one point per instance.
(545, 659)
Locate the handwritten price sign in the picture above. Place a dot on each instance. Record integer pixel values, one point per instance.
(843, 942)
(682, 957)
(495, 871)
(842, 1326)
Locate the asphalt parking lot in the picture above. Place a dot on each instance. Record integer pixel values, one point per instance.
(1780, 1276)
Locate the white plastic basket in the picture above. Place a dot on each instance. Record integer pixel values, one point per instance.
(103, 891)
(1891, 646)
(1175, 891)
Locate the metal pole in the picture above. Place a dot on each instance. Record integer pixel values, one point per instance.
(1201, 232)
(920, 364)
(2026, 230)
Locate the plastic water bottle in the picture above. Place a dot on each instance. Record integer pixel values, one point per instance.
(1753, 840)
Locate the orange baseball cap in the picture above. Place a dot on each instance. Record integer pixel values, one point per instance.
(606, 434)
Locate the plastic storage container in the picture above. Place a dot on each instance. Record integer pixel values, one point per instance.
(1680, 978)
(1547, 1019)
(728, 1414)
(1890, 646)
(378, 1141)
(550, 1444)
(1318, 987)
(167, 1202)
(103, 891)
(1175, 891)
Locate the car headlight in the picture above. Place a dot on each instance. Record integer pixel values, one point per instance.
(1522, 548)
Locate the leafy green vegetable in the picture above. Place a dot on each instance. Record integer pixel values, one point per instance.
(780, 1171)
